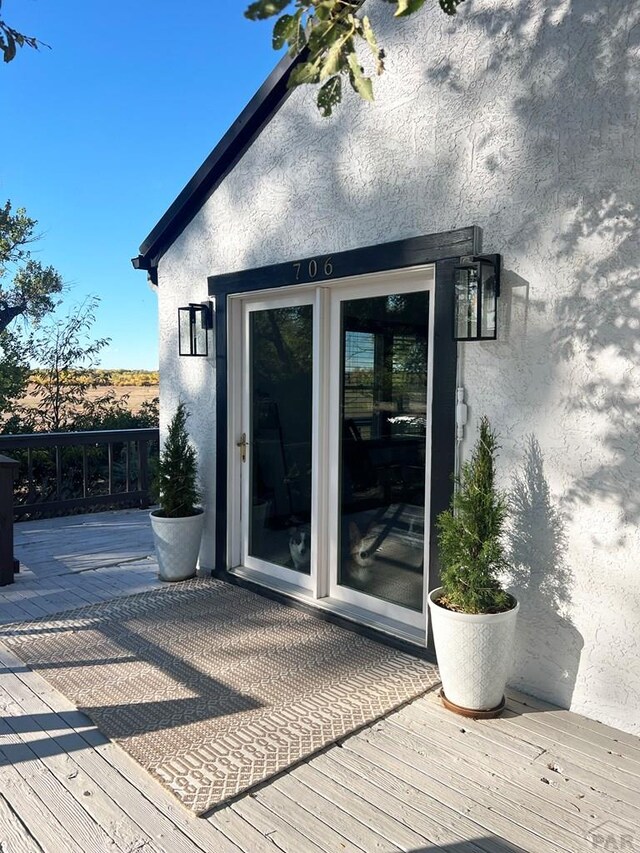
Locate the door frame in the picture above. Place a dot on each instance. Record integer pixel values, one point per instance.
(240, 309)
(419, 280)
(443, 249)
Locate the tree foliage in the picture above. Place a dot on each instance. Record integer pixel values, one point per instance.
(14, 371)
(177, 474)
(67, 355)
(11, 40)
(329, 34)
(27, 288)
(470, 535)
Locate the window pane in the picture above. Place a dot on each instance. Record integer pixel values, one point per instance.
(383, 418)
(280, 439)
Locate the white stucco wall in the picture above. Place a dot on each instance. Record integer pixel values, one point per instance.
(521, 117)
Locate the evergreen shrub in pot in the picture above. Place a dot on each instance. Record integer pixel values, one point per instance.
(177, 523)
(473, 618)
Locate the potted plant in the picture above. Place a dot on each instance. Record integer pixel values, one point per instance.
(473, 618)
(177, 523)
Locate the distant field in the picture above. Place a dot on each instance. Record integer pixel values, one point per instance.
(138, 394)
(138, 385)
(118, 378)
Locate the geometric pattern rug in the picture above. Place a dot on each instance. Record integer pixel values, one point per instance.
(213, 688)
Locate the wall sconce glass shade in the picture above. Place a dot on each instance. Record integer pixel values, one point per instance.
(476, 288)
(194, 322)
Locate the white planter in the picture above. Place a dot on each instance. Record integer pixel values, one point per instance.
(177, 543)
(475, 653)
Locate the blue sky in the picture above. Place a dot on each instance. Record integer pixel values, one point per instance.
(101, 132)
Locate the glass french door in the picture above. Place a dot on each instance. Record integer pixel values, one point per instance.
(276, 444)
(331, 439)
(380, 411)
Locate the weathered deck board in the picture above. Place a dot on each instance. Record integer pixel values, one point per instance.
(307, 823)
(347, 769)
(281, 831)
(90, 836)
(139, 801)
(50, 742)
(412, 782)
(540, 785)
(460, 789)
(395, 833)
(348, 826)
(13, 833)
(579, 786)
(68, 562)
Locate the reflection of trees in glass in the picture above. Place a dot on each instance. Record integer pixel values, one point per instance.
(281, 365)
(385, 363)
(281, 341)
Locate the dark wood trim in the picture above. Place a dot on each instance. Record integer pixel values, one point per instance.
(143, 439)
(399, 254)
(445, 359)
(222, 425)
(39, 440)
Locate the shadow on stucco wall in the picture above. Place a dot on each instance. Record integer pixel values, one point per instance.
(599, 325)
(548, 646)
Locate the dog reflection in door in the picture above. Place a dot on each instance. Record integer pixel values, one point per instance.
(300, 547)
(362, 550)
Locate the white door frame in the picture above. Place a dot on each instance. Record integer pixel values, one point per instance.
(399, 282)
(239, 423)
(322, 582)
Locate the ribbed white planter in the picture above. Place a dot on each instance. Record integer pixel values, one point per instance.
(177, 543)
(475, 653)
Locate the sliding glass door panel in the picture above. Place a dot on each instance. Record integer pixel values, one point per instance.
(382, 439)
(279, 436)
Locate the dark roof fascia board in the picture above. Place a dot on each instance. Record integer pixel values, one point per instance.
(242, 133)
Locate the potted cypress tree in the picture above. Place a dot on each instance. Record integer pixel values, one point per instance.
(177, 523)
(473, 618)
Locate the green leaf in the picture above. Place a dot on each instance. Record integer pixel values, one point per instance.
(297, 40)
(333, 59)
(282, 31)
(370, 37)
(10, 48)
(262, 9)
(362, 85)
(408, 7)
(288, 30)
(330, 95)
(321, 35)
(306, 72)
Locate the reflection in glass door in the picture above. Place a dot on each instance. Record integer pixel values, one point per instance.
(330, 444)
(279, 432)
(382, 442)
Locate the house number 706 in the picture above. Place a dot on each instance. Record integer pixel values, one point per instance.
(312, 268)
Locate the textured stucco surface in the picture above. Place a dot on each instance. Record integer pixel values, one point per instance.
(521, 117)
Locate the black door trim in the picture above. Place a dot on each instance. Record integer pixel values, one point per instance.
(444, 251)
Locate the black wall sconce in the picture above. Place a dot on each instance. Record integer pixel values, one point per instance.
(194, 322)
(476, 288)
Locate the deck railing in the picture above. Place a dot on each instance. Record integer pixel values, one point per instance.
(64, 471)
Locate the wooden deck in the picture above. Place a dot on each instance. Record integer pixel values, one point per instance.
(538, 779)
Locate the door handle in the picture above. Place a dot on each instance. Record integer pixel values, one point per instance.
(243, 444)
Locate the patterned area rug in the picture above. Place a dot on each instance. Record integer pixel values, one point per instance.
(212, 688)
